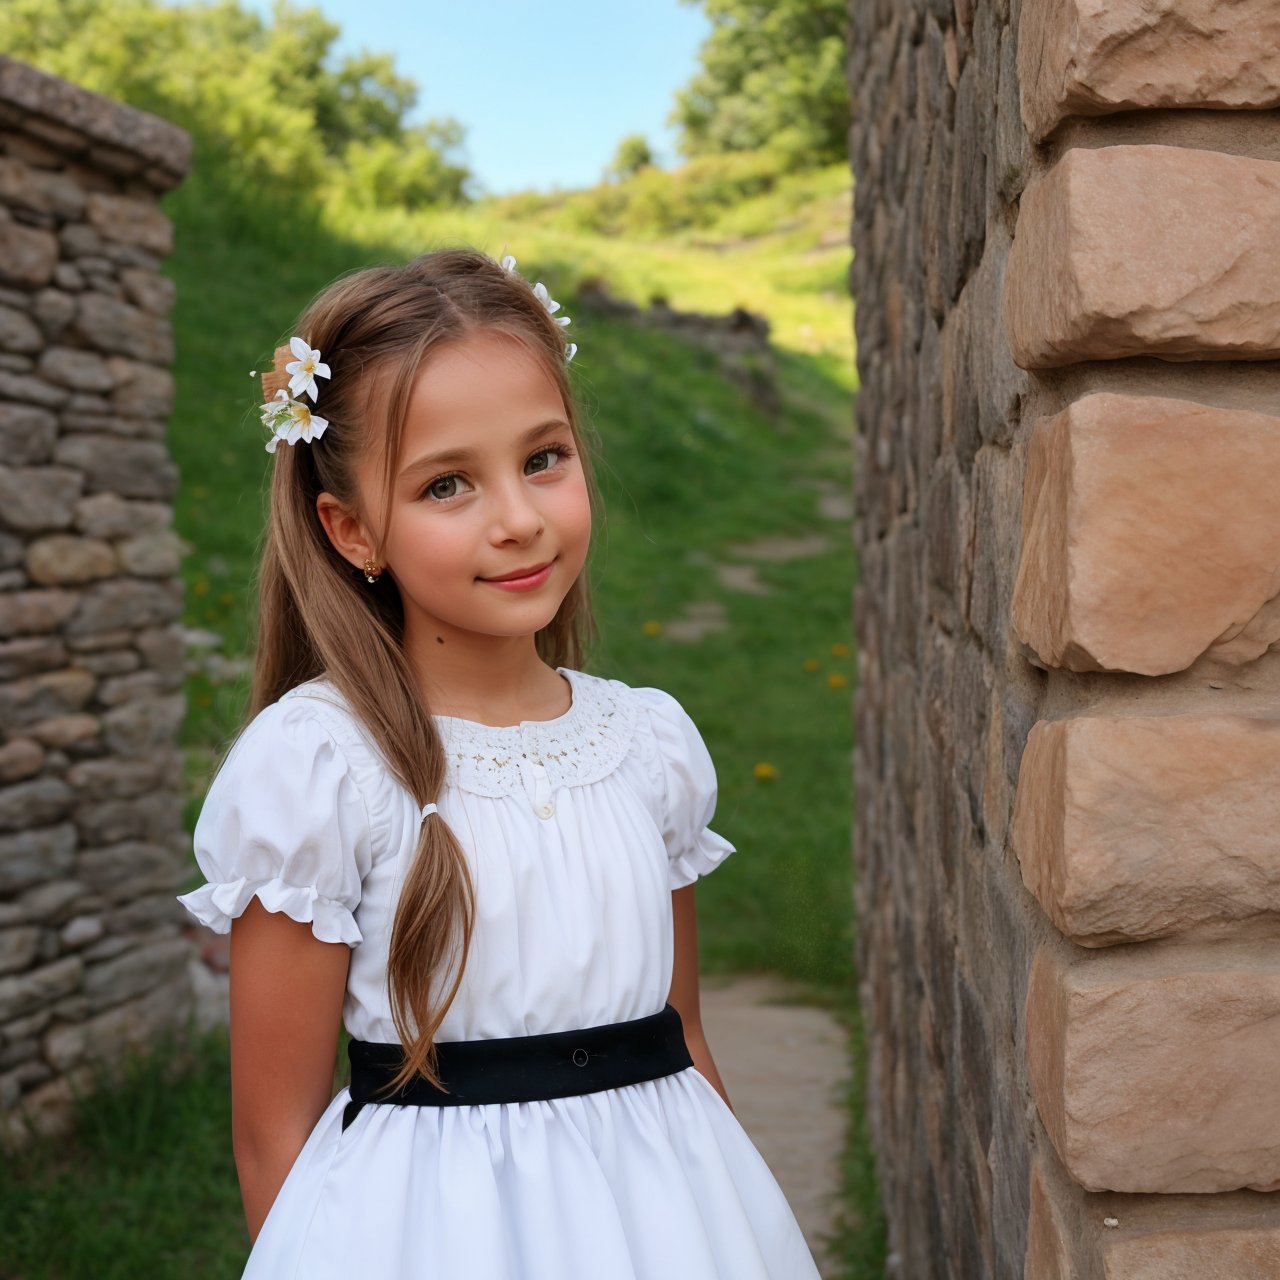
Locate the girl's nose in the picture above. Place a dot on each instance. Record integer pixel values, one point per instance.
(515, 515)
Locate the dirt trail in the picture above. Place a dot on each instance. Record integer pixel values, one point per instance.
(785, 1067)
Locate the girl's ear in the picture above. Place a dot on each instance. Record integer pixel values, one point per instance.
(347, 534)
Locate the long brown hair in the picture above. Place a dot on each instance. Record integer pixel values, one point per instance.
(376, 328)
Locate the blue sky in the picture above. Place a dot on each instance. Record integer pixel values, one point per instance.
(543, 90)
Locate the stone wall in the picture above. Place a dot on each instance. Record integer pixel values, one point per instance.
(92, 847)
(1067, 285)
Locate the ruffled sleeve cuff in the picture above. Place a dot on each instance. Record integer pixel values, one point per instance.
(706, 853)
(216, 905)
(284, 821)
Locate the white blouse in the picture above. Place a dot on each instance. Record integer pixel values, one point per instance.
(576, 830)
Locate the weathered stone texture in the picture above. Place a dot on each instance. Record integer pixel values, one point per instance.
(1146, 250)
(37, 498)
(27, 434)
(94, 125)
(1064, 488)
(936, 140)
(1225, 1253)
(1093, 57)
(1110, 1236)
(1134, 827)
(1149, 535)
(27, 255)
(90, 962)
(1128, 1069)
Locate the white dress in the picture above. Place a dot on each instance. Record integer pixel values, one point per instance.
(577, 829)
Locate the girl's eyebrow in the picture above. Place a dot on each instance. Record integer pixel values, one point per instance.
(429, 460)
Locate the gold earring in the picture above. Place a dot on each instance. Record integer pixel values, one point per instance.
(372, 572)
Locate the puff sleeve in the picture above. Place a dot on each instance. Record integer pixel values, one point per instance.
(283, 821)
(688, 784)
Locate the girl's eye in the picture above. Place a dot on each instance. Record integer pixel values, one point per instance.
(554, 450)
(434, 487)
(444, 488)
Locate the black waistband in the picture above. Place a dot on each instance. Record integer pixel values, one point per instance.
(558, 1064)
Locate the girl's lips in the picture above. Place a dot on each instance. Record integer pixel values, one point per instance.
(530, 583)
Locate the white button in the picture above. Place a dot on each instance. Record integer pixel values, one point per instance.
(546, 810)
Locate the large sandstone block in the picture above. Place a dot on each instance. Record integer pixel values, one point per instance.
(1149, 535)
(1154, 1070)
(1072, 1234)
(1223, 1253)
(1133, 827)
(1093, 57)
(1146, 251)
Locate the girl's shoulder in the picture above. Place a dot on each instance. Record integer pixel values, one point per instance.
(296, 815)
(683, 781)
(312, 712)
(654, 723)
(650, 708)
(307, 742)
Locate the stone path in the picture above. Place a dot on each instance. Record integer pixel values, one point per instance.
(785, 1066)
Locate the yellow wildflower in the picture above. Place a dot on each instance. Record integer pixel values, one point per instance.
(764, 771)
(840, 650)
(837, 680)
(811, 664)
(653, 628)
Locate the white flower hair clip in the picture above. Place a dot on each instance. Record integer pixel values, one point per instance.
(287, 417)
(290, 420)
(552, 306)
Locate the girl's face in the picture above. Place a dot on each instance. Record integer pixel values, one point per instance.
(488, 483)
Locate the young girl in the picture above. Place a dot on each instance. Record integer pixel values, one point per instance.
(438, 828)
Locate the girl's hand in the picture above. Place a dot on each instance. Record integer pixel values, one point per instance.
(287, 989)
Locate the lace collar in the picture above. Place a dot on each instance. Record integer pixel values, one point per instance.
(533, 757)
(584, 744)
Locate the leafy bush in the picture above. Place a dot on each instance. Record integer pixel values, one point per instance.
(656, 202)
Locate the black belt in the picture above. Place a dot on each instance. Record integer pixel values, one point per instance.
(558, 1064)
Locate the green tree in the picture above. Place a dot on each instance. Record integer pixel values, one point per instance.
(633, 154)
(411, 172)
(772, 78)
(268, 104)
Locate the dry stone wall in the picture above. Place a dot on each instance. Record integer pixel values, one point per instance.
(1067, 289)
(91, 656)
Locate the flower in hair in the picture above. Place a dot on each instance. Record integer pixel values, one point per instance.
(290, 420)
(540, 292)
(552, 306)
(305, 369)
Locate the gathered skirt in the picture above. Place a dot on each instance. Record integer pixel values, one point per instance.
(650, 1181)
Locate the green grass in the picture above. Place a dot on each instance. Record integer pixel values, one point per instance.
(145, 1186)
(687, 468)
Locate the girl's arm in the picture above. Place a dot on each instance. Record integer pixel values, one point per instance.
(684, 985)
(287, 989)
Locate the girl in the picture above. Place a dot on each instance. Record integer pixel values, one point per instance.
(438, 828)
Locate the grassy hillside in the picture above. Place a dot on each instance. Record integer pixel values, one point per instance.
(688, 468)
(689, 471)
